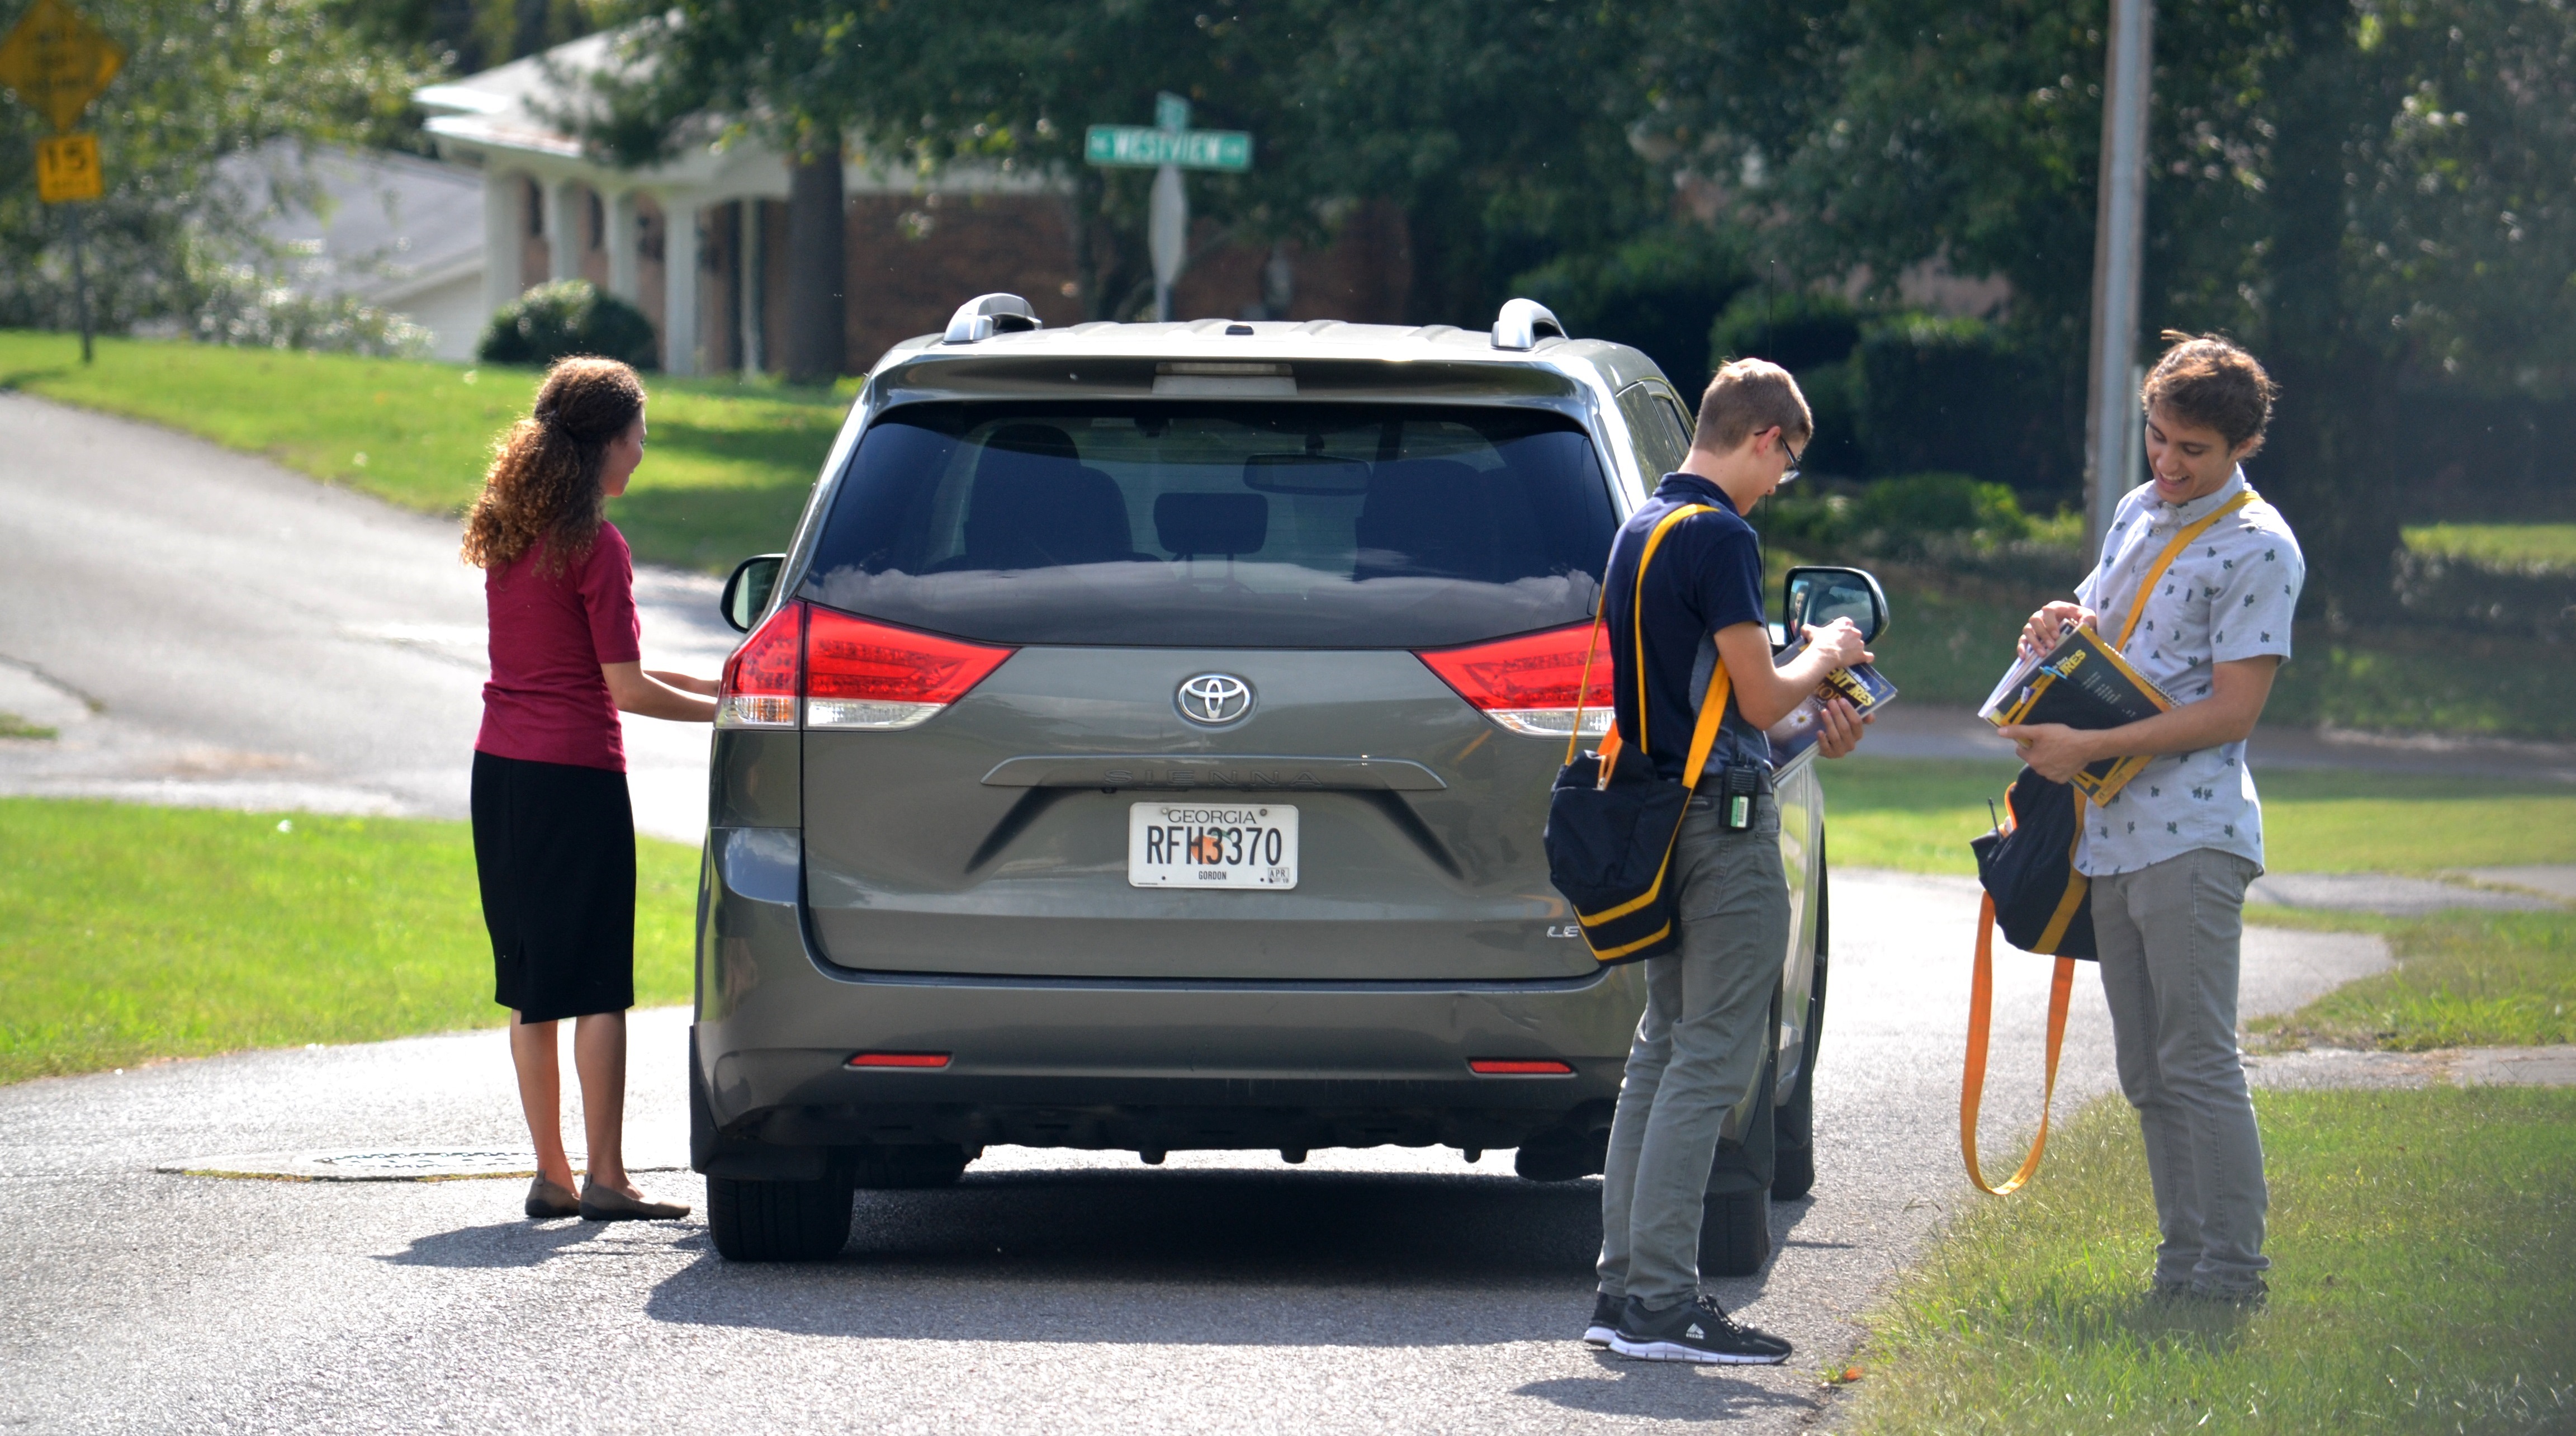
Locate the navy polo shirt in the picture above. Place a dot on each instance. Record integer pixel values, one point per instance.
(1707, 575)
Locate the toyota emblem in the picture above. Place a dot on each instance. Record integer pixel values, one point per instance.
(1214, 698)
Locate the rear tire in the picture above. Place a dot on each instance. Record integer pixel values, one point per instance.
(1735, 1234)
(900, 1168)
(779, 1221)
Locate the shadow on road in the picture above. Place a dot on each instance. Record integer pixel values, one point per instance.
(508, 1244)
(1662, 1390)
(1227, 1258)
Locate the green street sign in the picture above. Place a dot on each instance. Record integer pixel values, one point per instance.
(1147, 147)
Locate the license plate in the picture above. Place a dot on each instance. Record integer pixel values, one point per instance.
(1211, 845)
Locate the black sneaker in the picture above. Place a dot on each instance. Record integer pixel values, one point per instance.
(2252, 1297)
(1694, 1331)
(1605, 1319)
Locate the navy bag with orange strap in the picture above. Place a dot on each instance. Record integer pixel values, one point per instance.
(1611, 825)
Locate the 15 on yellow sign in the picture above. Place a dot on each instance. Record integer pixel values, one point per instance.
(67, 168)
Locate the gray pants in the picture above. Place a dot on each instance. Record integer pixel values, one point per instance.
(1697, 1059)
(2169, 935)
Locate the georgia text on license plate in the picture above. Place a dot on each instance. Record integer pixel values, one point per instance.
(1211, 845)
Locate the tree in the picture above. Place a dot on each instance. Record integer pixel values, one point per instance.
(2374, 195)
(201, 80)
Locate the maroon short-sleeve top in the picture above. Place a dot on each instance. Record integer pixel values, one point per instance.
(546, 701)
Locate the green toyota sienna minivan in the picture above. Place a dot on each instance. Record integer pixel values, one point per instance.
(1143, 744)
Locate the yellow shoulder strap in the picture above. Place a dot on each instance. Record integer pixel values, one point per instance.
(2172, 550)
(1712, 708)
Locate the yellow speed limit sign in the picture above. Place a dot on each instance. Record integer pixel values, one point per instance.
(67, 168)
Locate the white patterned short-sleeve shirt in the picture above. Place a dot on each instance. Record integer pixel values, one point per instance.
(2229, 595)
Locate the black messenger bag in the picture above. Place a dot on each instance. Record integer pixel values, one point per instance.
(1611, 825)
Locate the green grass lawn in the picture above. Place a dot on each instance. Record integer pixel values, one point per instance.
(131, 933)
(1919, 816)
(2467, 978)
(2517, 548)
(725, 474)
(2421, 1244)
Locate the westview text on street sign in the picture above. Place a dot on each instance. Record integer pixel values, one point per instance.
(1145, 147)
(58, 62)
(67, 168)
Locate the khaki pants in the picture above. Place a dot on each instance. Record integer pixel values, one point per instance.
(1696, 1062)
(2169, 935)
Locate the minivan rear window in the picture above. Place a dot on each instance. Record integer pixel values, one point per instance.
(1248, 524)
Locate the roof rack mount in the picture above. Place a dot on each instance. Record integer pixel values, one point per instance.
(986, 315)
(1524, 322)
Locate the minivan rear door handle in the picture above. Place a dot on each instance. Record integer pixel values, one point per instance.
(1223, 772)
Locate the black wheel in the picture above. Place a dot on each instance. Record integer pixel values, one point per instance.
(933, 1164)
(1735, 1234)
(779, 1221)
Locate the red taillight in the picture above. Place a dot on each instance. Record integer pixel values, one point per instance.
(760, 680)
(860, 674)
(899, 1059)
(848, 672)
(1528, 683)
(1519, 1067)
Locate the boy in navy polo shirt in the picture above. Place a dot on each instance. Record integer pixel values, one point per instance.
(1696, 1064)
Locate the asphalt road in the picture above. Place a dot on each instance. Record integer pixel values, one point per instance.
(257, 640)
(206, 628)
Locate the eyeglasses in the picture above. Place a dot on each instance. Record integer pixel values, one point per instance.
(1792, 471)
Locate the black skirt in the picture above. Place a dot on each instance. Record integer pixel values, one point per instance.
(554, 850)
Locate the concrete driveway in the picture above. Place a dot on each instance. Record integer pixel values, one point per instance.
(257, 640)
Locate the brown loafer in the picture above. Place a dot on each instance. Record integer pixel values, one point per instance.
(545, 1200)
(607, 1204)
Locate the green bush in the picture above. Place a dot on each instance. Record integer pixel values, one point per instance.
(1912, 510)
(1655, 292)
(1966, 396)
(568, 317)
(1811, 335)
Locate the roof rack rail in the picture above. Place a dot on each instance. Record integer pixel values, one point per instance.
(1523, 323)
(986, 315)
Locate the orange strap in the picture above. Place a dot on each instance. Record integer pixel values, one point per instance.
(1972, 1086)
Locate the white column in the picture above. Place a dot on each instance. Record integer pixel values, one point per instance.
(622, 279)
(679, 287)
(747, 285)
(503, 226)
(2119, 257)
(563, 233)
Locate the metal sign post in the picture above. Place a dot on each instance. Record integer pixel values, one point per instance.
(2119, 252)
(58, 63)
(1168, 148)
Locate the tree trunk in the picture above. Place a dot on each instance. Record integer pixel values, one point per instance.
(817, 270)
(2328, 465)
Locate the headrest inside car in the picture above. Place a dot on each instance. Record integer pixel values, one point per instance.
(1194, 524)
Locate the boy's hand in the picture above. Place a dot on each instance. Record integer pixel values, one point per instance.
(2053, 750)
(1838, 728)
(1840, 641)
(2049, 625)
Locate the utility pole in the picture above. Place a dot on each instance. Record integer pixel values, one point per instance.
(2119, 253)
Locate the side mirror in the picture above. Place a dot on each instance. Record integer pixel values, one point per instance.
(1816, 596)
(746, 594)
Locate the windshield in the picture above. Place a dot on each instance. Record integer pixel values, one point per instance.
(1265, 525)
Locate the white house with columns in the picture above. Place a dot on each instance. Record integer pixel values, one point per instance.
(695, 242)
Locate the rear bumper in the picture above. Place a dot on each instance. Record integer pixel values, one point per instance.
(1118, 1064)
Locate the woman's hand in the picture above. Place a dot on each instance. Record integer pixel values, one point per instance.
(1838, 728)
(2053, 750)
(2049, 625)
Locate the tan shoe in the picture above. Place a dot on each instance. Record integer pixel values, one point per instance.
(545, 1200)
(607, 1204)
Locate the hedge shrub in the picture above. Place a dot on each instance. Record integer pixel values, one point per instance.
(568, 317)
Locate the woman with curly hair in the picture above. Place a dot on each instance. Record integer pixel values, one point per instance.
(554, 834)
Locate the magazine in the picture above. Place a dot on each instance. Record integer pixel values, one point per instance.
(1795, 735)
(2083, 683)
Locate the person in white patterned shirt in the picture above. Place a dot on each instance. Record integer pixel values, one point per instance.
(2170, 855)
